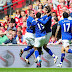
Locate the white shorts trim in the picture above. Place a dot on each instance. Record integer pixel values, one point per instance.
(30, 38)
(65, 43)
(40, 41)
(48, 37)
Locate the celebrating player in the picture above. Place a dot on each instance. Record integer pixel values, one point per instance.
(48, 35)
(66, 36)
(29, 36)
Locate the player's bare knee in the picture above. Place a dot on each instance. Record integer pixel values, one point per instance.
(62, 50)
(66, 49)
(35, 48)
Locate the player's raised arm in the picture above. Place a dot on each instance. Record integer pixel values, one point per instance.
(45, 16)
(45, 21)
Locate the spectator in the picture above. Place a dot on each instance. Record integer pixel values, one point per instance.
(2, 31)
(23, 13)
(53, 40)
(14, 33)
(40, 8)
(20, 38)
(68, 2)
(52, 9)
(24, 26)
(70, 17)
(37, 4)
(10, 31)
(3, 36)
(48, 2)
(55, 27)
(19, 28)
(3, 39)
(53, 16)
(55, 4)
(27, 13)
(64, 9)
(18, 16)
(11, 40)
(22, 21)
(70, 9)
(6, 21)
(31, 8)
(60, 9)
(11, 26)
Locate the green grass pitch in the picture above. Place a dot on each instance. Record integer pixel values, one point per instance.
(35, 69)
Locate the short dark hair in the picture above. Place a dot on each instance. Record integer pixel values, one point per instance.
(56, 19)
(20, 32)
(38, 15)
(20, 27)
(0, 24)
(10, 29)
(7, 15)
(54, 12)
(13, 30)
(48, 8)
(38, 0)
(12, 20)
(30, 11)
(30, 4)
(65, 15)
(23, 11)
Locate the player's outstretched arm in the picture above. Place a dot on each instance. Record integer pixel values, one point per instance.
(45, 21)
(45, 16)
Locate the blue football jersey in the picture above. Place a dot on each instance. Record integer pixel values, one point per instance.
(66, 28)
(39, 29)
(30, 22)
(47, 24)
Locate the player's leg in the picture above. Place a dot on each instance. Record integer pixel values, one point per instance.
(30, 53)
(62, 56)
(66, 46)
(68, 50)
(31, 42)
(40, 52)
(39, 42)
(50, 53)
(38, 57)
(47, 49)
(25, 49)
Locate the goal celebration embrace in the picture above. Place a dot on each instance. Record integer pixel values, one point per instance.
(36, 34)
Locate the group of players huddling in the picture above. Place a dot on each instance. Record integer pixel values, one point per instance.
(39, 33)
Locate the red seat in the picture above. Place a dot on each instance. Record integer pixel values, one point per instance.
(14, 5)
(19, 4)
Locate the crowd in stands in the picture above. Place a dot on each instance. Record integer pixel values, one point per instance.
(12, 30)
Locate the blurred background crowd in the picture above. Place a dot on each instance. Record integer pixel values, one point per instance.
(13, 29)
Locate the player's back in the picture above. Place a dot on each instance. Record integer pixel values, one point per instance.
(39, 29)
(48, 26)
(66, 28)
(30, 21)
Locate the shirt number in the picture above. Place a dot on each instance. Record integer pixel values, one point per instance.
(68, 26)
(40, 26)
